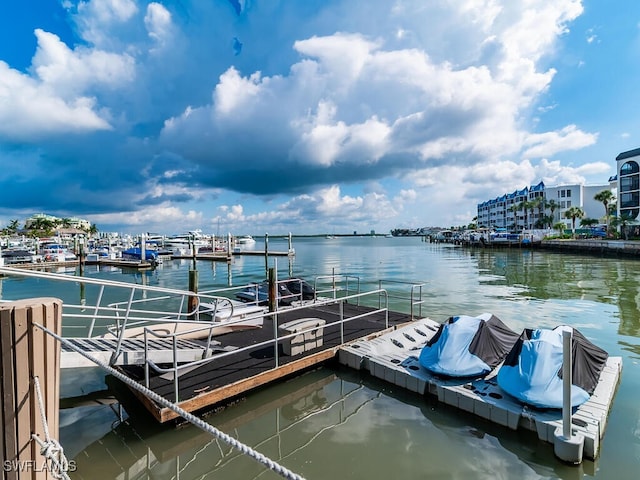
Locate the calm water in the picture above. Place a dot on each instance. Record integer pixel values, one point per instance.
(337, 423)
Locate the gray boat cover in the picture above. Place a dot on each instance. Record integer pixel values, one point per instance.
(532, 371)
(467, 346)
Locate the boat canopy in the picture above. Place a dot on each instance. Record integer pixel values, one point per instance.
(532, 371)
(466, 346)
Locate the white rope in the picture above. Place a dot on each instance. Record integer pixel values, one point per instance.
(272, 465)
(50, 449)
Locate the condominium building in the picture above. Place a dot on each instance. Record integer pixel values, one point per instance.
(629, 183)
(538, 206)
(72, 222)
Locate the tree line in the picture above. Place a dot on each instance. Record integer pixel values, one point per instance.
(42, 227)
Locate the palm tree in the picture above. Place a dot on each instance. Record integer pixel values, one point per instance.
(514, 209)
(573, 213)
(13, 226)
(542, 204)
(588, 222)
(525, 206)
(553, 206)
(560, 227)
(623, 222)
(605, 197)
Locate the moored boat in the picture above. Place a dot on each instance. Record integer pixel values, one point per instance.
(466, 346)
(532, 371)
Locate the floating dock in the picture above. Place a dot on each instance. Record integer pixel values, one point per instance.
(393, 357)
(306, 336)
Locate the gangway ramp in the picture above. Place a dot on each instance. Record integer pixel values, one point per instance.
(131, 351)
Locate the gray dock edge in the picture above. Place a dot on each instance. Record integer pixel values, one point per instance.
(393, 357)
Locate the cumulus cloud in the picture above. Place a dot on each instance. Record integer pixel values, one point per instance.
(434, 101)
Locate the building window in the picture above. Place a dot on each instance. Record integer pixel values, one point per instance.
(568, 193)
(563, 193)
(629, 168)
(631, 182)
(568, 203)
(629, 200)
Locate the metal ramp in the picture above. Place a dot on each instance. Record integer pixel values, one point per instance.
(131, 351)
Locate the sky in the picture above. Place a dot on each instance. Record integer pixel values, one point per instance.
(307, 116)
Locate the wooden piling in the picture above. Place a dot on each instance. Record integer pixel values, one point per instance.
(193, 287)
(27, 352)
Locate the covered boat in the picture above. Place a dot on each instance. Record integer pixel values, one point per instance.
(259, 294)
(532, 371)
(300, 288)
(466, 346)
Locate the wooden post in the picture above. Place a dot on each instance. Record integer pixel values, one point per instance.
(266, 252)
(193, 287)
(273, 290)
(28, 352)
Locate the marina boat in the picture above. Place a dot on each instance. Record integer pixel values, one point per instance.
(16, 256)
(504, 238)
(259, 294)
(187, 241)
(466, 346)
(300, 288)
(135, 253)
(245, 242)
(57, 252)
(532, 370)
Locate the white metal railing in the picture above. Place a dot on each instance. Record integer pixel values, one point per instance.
(416, 292)
(175, 369)
(143, 307)
(119, 317)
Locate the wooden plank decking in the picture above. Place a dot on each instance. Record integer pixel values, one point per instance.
(229, 376)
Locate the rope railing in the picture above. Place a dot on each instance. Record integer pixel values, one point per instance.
(50, 449)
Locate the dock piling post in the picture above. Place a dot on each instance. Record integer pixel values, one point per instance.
(193, 287)
(273, 290)
(567, 446)
(266, 252)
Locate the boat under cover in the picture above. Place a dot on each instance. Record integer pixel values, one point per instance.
(259, 294)
(532, 371)
(466, 346)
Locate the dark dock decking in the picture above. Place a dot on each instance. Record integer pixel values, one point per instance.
(231, 374)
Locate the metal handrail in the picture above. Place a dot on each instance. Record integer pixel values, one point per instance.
(128, 313)
(415, 295)
(123, 314)
(175, 369)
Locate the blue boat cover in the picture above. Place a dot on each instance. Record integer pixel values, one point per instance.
(466, 346)
(532, 371)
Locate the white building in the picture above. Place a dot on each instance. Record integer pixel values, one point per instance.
(545, 206)
(74, 222)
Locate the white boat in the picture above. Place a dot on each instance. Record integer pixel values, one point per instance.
(57, 252)
(184, 244)
(244, 242)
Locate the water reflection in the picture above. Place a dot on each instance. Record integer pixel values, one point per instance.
(327, 424)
